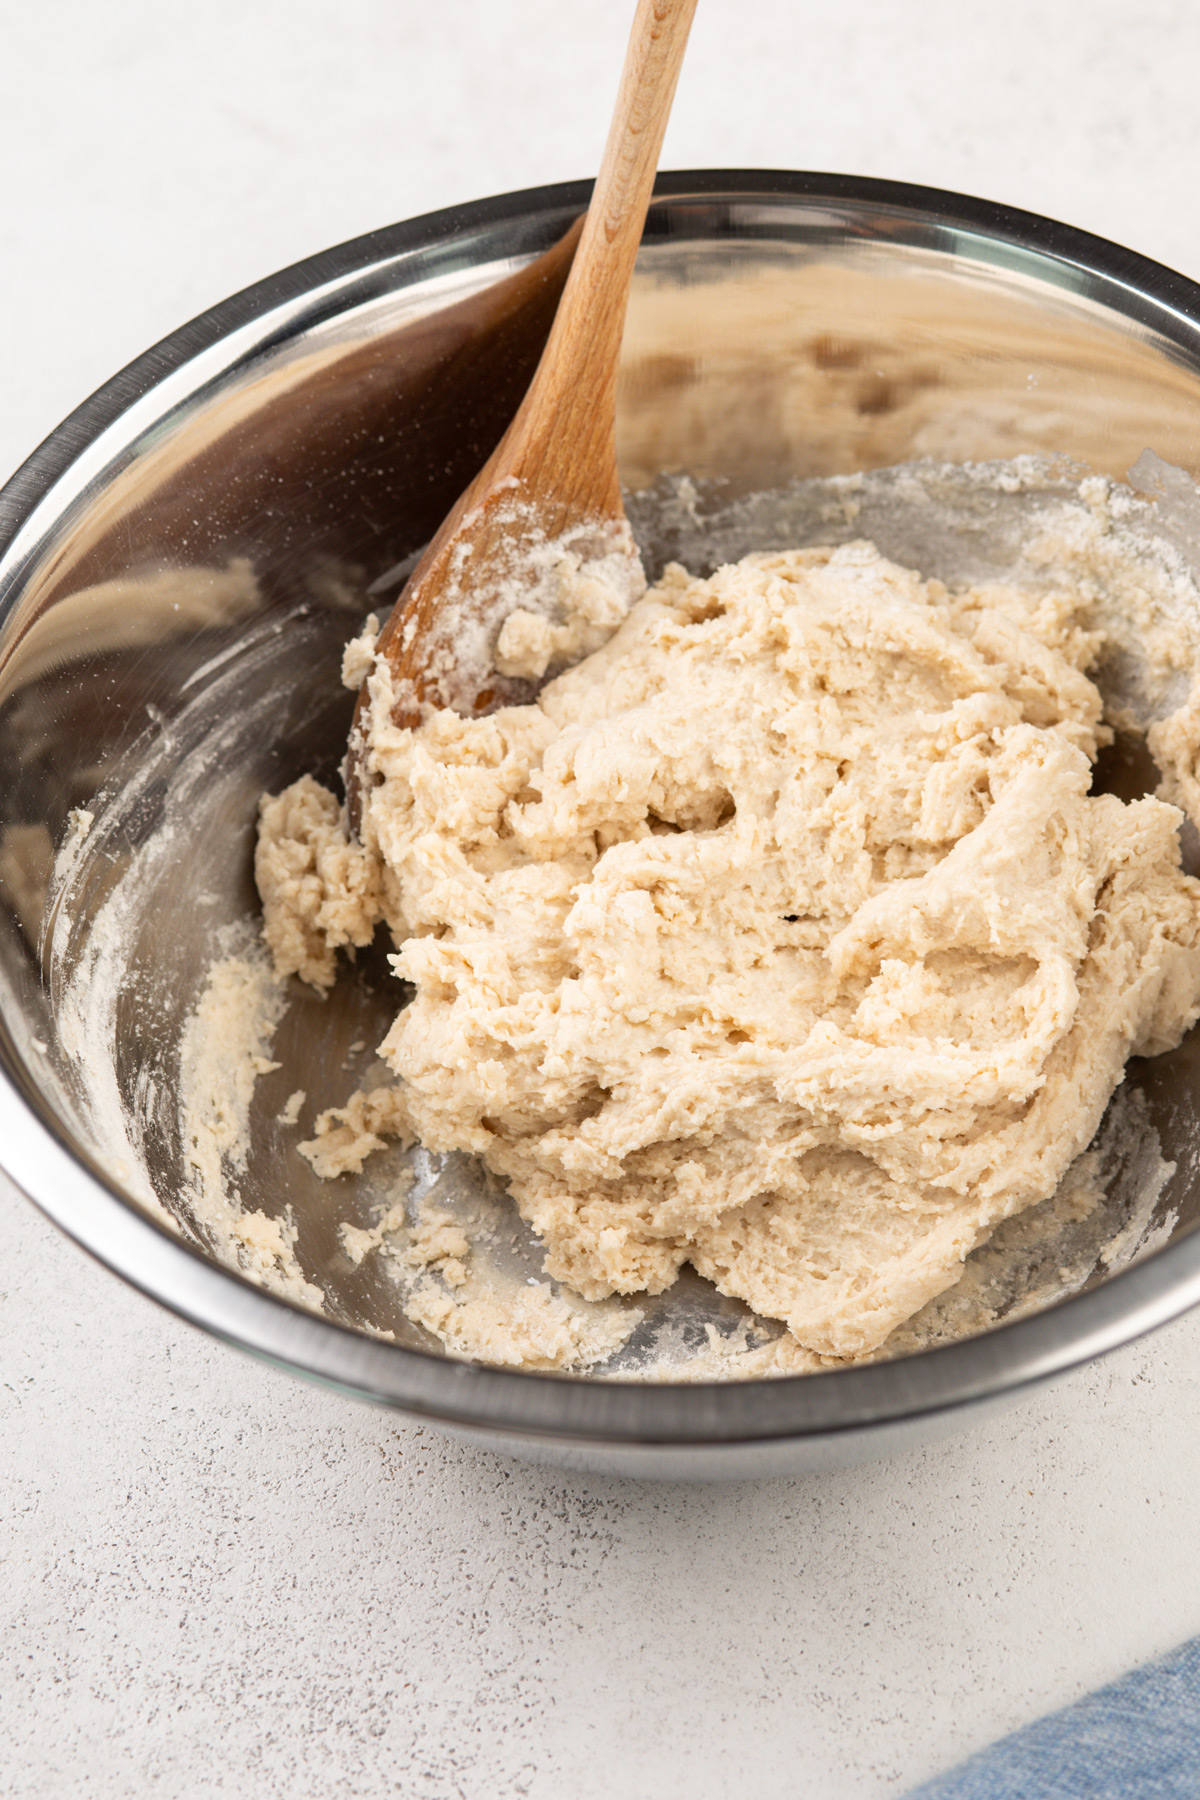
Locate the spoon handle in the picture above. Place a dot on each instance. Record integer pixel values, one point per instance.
(576, 380)
(558, 458)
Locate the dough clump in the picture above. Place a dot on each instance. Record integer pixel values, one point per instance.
(782, 936)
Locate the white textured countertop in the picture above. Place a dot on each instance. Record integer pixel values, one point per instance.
(218, 1581)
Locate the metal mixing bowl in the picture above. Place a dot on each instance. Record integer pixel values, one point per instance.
(318, 426)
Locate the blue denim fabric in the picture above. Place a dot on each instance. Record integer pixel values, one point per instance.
(1137, 1739)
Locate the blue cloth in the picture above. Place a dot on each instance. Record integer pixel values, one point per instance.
(1137, 1739)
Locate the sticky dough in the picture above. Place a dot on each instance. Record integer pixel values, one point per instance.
(782, 936)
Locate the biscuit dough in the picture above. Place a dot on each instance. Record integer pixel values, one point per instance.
(782, 936)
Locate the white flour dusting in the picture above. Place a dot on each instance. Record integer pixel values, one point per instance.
(551, 602)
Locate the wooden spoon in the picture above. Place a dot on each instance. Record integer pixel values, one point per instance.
(551, 485)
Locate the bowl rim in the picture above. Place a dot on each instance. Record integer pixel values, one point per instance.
(61, 1181)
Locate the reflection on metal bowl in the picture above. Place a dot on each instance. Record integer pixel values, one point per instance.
(182, 560)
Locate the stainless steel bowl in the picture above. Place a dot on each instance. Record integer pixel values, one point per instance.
(317, 426)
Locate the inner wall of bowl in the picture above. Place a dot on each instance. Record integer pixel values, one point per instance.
(213, 572)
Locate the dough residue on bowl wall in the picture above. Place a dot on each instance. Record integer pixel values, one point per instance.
(222, 1055)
